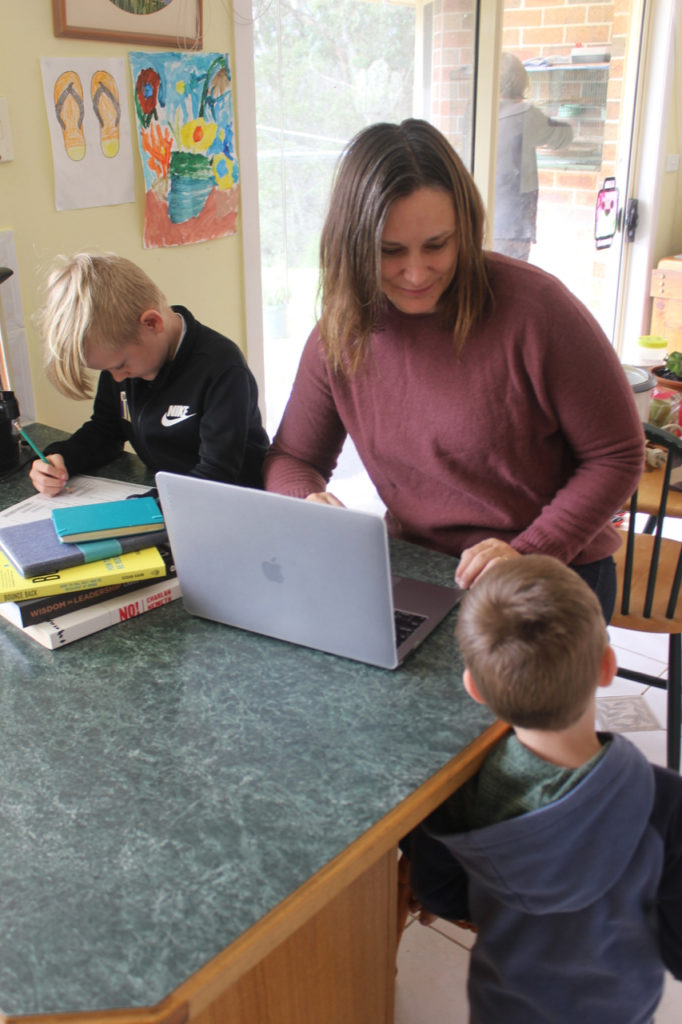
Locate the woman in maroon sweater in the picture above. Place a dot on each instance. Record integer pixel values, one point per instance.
(486, 403)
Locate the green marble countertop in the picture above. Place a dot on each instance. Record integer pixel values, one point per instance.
(169, 780)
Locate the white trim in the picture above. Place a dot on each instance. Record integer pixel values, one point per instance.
(652, 115)
(245, 93)
(418, 85)
(487, 61)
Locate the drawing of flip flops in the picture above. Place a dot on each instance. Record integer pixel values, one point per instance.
(106, 105)
(69, 108)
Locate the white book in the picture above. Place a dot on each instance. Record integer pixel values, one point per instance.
(64, 629)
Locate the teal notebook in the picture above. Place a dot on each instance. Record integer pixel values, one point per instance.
(107, 519)
(34, 547)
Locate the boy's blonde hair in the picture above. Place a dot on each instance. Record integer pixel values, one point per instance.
(91, 299)
(533, 636)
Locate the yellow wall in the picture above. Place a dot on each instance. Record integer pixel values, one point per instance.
(206, 277)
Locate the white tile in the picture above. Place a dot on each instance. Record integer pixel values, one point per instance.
(658, 702)
(623, 688)
(431, 979)
(649, 645)
(462, 936)
(625, 714)
(670, 1007)
(638, 662)
(672, 528)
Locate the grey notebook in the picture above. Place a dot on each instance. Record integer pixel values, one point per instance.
(295, 570)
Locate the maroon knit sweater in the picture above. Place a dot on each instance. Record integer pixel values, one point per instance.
(530, 435)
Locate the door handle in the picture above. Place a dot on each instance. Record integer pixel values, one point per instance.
(632, 219)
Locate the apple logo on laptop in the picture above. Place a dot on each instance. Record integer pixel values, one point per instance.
(272, 570)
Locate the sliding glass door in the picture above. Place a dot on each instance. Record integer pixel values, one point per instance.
(324, 69)
(314, 72)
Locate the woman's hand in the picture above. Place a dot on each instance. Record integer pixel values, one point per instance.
(49, 477)
(325, 498)
(477, 559)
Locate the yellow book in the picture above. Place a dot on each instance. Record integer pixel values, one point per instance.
(134, 565)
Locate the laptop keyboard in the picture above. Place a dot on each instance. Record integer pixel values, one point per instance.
(405, 625)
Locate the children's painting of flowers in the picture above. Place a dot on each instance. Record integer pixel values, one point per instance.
(185, 123)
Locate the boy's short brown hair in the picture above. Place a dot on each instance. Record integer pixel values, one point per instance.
(533, 636)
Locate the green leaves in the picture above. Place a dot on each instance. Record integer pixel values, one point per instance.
(673, 363)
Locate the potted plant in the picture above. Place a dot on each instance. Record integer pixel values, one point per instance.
(669, 374)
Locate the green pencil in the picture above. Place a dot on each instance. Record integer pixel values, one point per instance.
(34, 446)
(41, 455)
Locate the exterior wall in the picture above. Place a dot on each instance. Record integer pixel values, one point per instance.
(452, 70)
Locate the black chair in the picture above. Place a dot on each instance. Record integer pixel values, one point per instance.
(649, 576)
(649, 498)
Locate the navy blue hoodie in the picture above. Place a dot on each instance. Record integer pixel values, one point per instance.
(578, 905)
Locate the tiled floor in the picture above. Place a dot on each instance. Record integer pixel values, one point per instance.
(433, 961)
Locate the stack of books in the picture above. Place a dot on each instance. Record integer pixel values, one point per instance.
(85, 568)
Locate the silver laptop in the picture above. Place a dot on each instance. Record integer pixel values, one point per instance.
(295, 570)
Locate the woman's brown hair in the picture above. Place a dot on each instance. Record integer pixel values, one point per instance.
(382, 163)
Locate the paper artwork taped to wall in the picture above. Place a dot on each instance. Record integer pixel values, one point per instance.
(185, 126)
(87, 112)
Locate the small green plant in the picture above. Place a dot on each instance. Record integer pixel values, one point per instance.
(673, 364)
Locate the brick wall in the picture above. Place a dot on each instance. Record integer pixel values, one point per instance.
(452, 64)
(531, 29)
(568, 187)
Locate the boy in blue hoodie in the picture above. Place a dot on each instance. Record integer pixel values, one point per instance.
(565, 850)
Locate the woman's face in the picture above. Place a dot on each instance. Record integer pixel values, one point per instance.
(418, 250)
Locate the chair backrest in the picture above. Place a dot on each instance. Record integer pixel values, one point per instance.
(673, 446)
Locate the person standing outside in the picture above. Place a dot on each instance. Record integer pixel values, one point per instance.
(521, 128)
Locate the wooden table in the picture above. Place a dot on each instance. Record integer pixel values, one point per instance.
(649, 495)
(199, 824)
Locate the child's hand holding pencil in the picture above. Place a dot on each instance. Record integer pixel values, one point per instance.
(48, 474)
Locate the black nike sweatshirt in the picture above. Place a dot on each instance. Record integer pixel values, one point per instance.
(199, 416)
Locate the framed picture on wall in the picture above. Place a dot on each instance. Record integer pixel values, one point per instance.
(169, 23)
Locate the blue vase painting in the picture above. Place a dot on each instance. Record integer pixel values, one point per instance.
(191, 182)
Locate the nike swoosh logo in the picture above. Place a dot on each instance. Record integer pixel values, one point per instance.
(170, 421)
